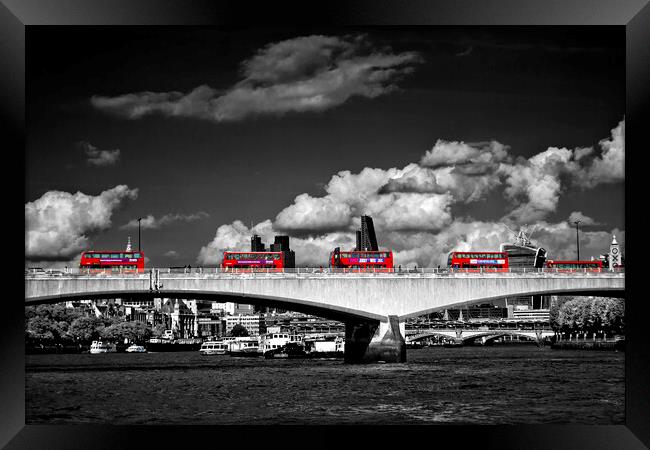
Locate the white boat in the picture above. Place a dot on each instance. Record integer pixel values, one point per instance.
(244, 346)
(272, 343)
(102, 347)
(136, 349)
(214, 348)
(326, 347)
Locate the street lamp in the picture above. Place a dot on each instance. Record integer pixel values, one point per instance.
(577, 222)
(139, 248)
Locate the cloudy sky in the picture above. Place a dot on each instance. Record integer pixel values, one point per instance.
(441, 134)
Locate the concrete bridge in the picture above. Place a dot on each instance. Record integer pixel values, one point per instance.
(463, 336)
(373, 306)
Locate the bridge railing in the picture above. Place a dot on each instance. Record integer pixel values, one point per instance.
(167, 272)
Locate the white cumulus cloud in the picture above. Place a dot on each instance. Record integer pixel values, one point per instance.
(578, 216)
(58, 225)
(412, 206)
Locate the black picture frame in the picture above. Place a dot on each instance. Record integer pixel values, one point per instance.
(634, 15)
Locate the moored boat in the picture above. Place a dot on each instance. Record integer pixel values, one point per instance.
(290, 350)
(102, 347)
(245, 346)
(167, 343)
(325, 347)
(214, 348)
(133, 348)
(272, 343)
(282, 345)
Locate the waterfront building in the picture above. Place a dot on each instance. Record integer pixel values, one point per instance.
(211, 325)
(180, 318)
(138, 302)
(303, 324)
(538, 315)
(147, 315)
(78, 304)
(232, 309)
(254, 323)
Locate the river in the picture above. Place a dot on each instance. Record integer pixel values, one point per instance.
(469, 385)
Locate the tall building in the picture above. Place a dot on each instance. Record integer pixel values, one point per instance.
(614, 254)
(366, 238)
(256, 244)
(522, 254)
(281, 244)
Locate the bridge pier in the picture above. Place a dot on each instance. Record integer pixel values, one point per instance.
(374, 341)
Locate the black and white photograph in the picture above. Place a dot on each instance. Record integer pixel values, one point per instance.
(335, 225)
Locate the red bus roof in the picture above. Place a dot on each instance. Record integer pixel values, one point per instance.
(365, 251)
(112, 251)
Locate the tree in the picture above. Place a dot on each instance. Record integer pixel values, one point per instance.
(159, 330)
(135, 331)
(42, 329)
(238, 330)
(573, 314)
(556, 318)
(86, 328)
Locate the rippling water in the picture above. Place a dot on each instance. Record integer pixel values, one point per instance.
(478, 385)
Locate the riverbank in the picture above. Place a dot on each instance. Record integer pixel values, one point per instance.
(618, 345)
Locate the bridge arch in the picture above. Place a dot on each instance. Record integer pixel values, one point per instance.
(331, 312)
(471, 335)
(374, 307)
(597, 292)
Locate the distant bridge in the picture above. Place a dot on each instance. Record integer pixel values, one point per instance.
(374, 306)
(464, 335)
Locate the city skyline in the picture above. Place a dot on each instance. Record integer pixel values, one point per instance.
(440, 134)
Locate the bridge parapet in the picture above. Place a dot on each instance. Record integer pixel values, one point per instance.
(307, 272)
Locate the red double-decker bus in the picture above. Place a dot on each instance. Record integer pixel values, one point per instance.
(496, 261)
(381, 260)
(112, 261)
(275, 261)
(570, 266)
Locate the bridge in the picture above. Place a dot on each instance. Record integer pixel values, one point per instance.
(373, 305)
(462, 336)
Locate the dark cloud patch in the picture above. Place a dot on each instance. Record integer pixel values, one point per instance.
(311, 73)
(98, 157)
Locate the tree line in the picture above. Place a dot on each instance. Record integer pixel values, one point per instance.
(56, 324)
(588, 314)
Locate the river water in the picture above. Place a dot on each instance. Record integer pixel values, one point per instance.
(469, 385)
